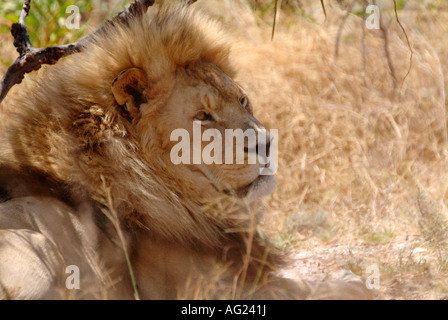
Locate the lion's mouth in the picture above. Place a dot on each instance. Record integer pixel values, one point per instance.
(262, 185)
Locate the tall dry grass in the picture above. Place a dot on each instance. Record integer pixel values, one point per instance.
(357, 148)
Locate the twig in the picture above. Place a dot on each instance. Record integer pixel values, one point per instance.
(341, 25)
(275, 18)
(323, 8)
(390, 64)
(409, 44)
(22, 41)
(31, 59)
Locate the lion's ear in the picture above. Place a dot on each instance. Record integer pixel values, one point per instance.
(129, 89)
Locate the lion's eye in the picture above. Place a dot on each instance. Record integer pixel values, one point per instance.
(244, 101)
(204, 116)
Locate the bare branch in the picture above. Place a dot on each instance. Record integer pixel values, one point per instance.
(21, 40)
(389, 60)
(32, 59)
(341, 26)
(323, 8)
(409, 44)
(275, 19)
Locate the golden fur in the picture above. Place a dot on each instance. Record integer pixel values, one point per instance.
(71, 105)
(78, 140)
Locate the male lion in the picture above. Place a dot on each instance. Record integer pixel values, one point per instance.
(85, 151)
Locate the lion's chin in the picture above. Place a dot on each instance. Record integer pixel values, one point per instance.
(258, 188)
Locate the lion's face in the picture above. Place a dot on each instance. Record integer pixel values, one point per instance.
(205, 96)
(205, 162)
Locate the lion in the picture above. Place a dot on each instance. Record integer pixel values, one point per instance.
(88, 188)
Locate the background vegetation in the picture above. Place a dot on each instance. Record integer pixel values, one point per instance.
(362, 176)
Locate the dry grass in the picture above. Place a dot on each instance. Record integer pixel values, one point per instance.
(362, 175)
(356, 153)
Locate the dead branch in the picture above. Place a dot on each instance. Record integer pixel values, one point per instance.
(385, 32)
(389, 61)
(409, 44)
(31, 59)
(341, 25)
(323, 8)
(275, 19)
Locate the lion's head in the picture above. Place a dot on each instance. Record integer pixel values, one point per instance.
(117, 106)
(203, 97)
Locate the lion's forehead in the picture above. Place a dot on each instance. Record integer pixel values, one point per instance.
(211, 75)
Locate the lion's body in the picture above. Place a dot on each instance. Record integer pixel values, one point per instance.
(69, 152)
